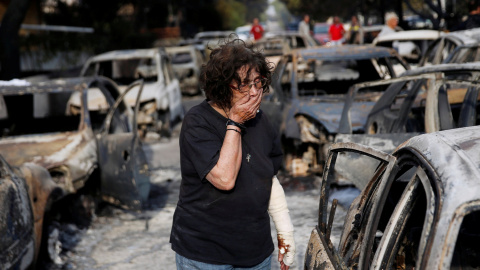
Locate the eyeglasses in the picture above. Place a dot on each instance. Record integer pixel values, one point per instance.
(259, 83)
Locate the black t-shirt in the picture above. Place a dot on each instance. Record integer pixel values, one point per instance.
(224, 227)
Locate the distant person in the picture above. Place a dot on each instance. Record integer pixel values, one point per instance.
(355, 33)
(391, 23)
(257, 30)
(473, 19)
(336, 32)
(304, 25)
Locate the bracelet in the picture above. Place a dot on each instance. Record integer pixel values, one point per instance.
(233, 123)
(235, 130)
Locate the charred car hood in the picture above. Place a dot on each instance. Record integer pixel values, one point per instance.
(48, 150)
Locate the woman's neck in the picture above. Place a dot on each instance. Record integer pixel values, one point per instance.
(219, 109)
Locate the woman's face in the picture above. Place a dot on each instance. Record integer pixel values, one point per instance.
(252, 92)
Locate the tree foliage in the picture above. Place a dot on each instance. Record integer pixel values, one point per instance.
(321, 10)
(233, 13)
(442, 16)
(117, 24)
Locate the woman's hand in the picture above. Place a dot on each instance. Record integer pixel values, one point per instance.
(286, 249)
(246, 108)
(283, 266)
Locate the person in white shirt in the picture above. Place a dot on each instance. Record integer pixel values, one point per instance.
(391, 22)
(304, 25)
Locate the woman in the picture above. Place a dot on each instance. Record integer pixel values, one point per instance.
(229, 156)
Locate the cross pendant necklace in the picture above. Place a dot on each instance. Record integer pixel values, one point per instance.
(248, 157)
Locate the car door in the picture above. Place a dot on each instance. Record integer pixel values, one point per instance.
(123, 166)
(172, 86)
(367, 169)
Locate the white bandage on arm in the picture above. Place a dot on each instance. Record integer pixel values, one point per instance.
(278, 210)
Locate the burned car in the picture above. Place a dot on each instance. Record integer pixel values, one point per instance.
(439, 50)
(426, 99)
(204, 40)
(419, 208)
(272, 47)
(294, 39)
(465, 53)
(161, 101)
(96, 153)
(21, 206)
(410, 44)
(307, 97)
(186, 63)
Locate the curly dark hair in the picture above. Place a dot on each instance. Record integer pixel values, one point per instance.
(219, 72)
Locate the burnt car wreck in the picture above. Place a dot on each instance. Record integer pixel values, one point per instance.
(432, 99)
(161, 99)
(418, 208)
(86, 153)
(307, 97)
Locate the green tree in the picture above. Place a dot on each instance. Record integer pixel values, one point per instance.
(442, 14)
(256, 9)
(232, 13)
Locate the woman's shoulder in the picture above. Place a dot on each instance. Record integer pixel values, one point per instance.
(199, 109)
(199, 114)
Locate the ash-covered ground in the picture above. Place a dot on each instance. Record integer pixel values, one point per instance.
(118, 239)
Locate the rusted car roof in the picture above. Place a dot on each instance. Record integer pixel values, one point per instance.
(347, 52)
(448, 68)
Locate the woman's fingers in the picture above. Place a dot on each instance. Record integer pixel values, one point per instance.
(246, 108)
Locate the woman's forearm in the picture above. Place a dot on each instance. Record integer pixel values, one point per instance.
(224, 174)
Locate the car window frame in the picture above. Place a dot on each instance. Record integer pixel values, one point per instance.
(454, 229)
(345, 120)
(379, 180)
(384, 255)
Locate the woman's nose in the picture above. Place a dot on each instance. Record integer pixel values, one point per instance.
(254, 90)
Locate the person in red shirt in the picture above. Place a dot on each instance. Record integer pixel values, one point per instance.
(336, 32)
(257, 30)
